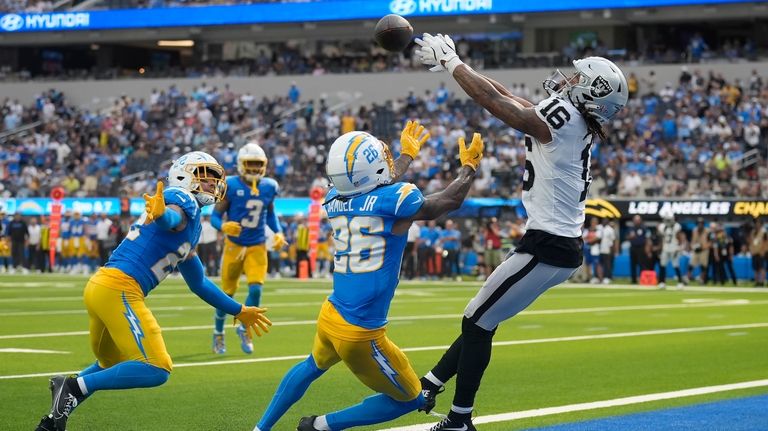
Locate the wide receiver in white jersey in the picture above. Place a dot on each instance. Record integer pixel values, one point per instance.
(672, 245)
(559, 132)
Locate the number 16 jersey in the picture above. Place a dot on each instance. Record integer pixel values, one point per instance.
(368, 254)
(557, 177)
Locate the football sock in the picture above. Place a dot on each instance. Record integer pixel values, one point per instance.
(321, 423)
(460, 414)
(473, 361)
(448, 364)
(125, 375)
(254, 295)
(218, 321)
(291, 389)
(91, 369)
(373, 410)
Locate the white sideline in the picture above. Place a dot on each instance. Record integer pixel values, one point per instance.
(17, 350)
(716, 303)
(547, 411)
(428, 348)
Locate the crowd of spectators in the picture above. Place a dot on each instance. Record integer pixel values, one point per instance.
(320, 57)
(702, 137)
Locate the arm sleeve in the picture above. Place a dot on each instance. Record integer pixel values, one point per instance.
(193, 273)
(216, 220)
(170, 219)
(272, 221)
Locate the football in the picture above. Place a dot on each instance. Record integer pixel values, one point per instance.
(393, 33)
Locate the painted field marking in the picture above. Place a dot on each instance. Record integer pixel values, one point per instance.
(616, 402)
(430, 348)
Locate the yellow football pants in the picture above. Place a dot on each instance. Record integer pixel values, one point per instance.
(237, 259)
(369, 354)
(122, 328)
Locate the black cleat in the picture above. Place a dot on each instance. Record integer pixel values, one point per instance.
(46, 424)
(447, 424)
(66, 396)
(307, 423)
(430, 395)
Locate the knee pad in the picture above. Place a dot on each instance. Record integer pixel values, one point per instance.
(473, 332)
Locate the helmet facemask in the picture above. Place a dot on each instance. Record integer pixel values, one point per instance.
(252, 169)
(208, 180)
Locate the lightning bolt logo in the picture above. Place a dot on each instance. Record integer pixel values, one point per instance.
(135, 325)
(403, 191)
(384, 366)
(351, 154)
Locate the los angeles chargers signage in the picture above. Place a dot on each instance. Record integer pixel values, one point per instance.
(317, 10)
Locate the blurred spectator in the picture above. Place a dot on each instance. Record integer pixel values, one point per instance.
(700, 250)
(449, 241)
(207, 246)
(17, 231)
(492, 235)
(35, 256)
(758, 245)
(637, 238)
(722, 248)
(302, 246)
(103, 227)
(608, 249)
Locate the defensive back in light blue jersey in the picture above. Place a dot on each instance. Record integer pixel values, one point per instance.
(249, 209)
(64, 227)
(76, 228)
(368, 254)
(148, 253)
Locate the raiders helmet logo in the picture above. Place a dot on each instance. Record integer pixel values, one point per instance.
(600, 87)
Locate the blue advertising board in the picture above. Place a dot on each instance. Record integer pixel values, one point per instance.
(318, 10)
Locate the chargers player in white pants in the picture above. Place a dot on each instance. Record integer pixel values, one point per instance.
(559, 132)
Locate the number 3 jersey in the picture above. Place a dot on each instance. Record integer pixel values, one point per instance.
(148, 253)
(368, 253)
(249, 208)
(557, 177)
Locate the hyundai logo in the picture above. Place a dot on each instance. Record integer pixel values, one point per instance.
(11, 22)
(403, 7)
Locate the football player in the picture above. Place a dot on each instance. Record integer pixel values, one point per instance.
(65, 240)
(672, 244)
(370, 214)
(560, 132)
(125, 336)
(77, 246)
(249, 205)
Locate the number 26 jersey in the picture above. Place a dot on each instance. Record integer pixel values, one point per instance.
(557, 177)
(368, 254)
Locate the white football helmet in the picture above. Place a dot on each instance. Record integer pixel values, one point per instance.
(251, 162)
(598, 87)
(358, 163)
(200, 174)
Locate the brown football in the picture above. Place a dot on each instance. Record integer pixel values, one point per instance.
(393, 33)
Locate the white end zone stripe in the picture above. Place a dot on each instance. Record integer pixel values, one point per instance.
(548, 411)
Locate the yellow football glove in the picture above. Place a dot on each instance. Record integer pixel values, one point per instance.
(471, 156)
(280, 241)
(231, 228)
(412, 138)
(252, 319)
(155, 205)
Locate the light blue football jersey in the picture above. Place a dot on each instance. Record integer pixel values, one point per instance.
(64, 227)
(76, 227)
(148, 253)
(368, 255)
(250, 210)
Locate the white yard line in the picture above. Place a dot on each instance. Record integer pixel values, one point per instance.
(15, 350)
(616, 402)
(724, 303)
(443, 347)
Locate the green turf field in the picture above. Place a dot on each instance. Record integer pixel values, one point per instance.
(574, 345)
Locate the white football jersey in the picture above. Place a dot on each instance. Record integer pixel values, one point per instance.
(669, 239)
(557, 176)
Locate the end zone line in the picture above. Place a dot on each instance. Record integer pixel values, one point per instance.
(616, 402)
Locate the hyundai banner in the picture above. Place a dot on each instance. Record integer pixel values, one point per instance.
(310, 11)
